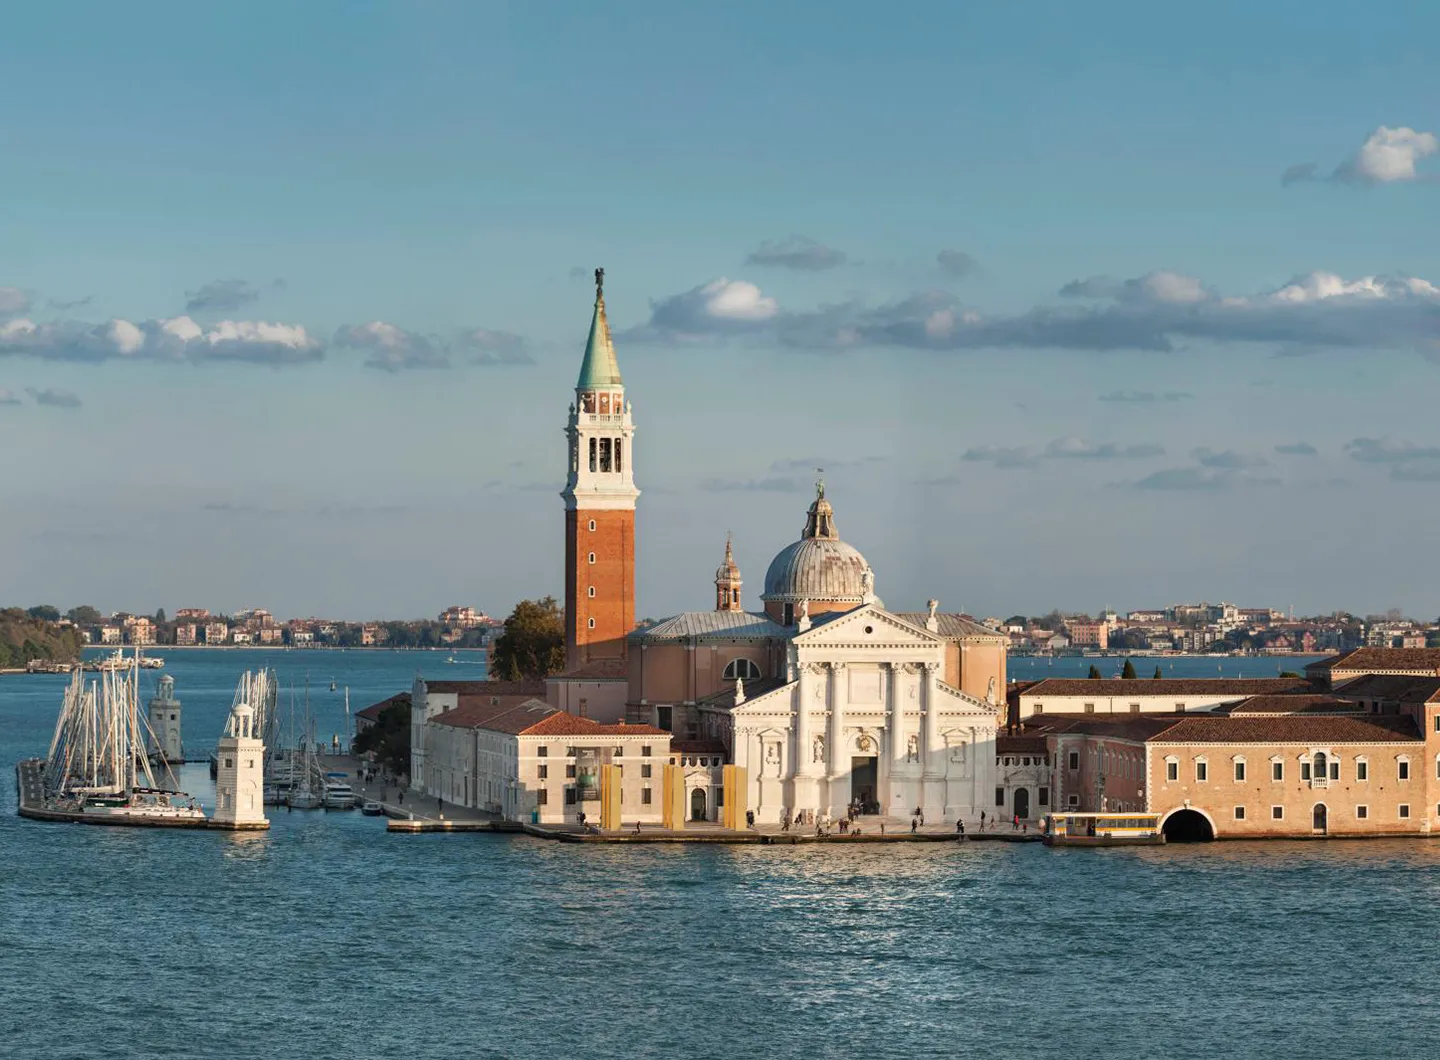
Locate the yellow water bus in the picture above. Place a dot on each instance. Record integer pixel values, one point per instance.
(1102, 829)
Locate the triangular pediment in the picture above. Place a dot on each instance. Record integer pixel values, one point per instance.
(867, 626)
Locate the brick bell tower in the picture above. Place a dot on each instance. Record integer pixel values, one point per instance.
(600, 498)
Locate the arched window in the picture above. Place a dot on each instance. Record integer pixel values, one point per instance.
(591, 624)
(592, 592)
(743, 669)
(619, 455)
(594, 448)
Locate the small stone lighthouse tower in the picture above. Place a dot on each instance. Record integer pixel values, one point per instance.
(165, 723)
(240, 777)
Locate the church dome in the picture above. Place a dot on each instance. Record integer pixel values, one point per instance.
(819, 566)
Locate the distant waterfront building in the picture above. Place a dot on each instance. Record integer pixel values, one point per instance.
(139, 630)
(198, 614)
(111, 635)
(459, 617)
(217, 632)
(187, 634)
(1086, 634)
(271, 635)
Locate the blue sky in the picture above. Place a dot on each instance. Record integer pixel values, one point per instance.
(292, 297)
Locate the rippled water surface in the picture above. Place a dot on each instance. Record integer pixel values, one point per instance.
(327, 938)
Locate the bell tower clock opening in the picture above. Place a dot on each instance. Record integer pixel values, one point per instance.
(599, 499)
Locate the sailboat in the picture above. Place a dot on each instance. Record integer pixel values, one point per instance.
(307, 777)
(97, 769)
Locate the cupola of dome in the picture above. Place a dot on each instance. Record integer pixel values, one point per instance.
(819, 569)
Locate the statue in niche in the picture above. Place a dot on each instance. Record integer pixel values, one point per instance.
(772, 754)
(819, 749)
(990, 691)
(867, 583)
(912, 749)
(957, 753)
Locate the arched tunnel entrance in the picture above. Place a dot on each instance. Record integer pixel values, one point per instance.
(1187, 826)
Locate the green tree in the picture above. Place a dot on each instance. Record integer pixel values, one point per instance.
(1158, 674)
(1094, 672)
(45, 613)
(160, 618)
(1129, 671)
(84, 615)
(389, 737)
(1291, 673)
(533, 644)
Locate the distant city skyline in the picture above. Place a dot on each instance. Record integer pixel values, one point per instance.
(1071, 307)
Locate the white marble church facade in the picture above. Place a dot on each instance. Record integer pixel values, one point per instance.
(863, 716)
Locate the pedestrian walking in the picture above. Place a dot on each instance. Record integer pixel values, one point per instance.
(914, 825)
(982, 820)
(960, 828)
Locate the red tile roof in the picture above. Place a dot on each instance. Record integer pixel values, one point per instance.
(1300, 703)
(564, 724)
(372, 712)
(511, 714)
(1396, 688)
(1381, 660)
(1119, 688)
(1020, 745)
(1292, 728)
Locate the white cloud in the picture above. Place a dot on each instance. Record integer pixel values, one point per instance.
(1388, 156)
(1226, 458)
(8, 396)
(392, 348)
(1201, 478)
(720, 307)
(175, 339)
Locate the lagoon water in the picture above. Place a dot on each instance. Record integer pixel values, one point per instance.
(326, 938)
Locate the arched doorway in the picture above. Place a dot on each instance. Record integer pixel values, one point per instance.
(1022, 803)
(697, 805)
(1321, 819)
(1187, 826)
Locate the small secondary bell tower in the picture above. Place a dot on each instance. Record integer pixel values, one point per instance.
(599, 499)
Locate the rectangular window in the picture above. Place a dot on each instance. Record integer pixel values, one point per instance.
(1134, 708)
(1074, 760)
(569, 772)
(1039, 708)
(619, 752)
(1202, 770)
(1362, 812)
(1239, 771)
(644, 796)
(569, 794)
(1404, 810)
(1404, 767)
(1334, 770)
(663, 718)
(999, 796)
(1179, 708)
(542, 772)
(1277, 813)
(1172, 770)
(1362, 770)
(604, 454)
(1304, 770)
(1239, 813)
(619, 455)
(229, 763)
(1277, 770)
(542, 797)
(1089, 708)
(1437, 722)
(592, 454)
(542, 752)
(1074, 800)
(1044, 797)
(645, 771)
(645, 750)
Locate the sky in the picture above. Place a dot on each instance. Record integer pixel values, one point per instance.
(1077, 307)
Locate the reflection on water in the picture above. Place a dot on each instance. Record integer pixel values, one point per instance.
(327, 938)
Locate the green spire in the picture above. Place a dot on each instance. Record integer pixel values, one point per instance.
(600, 368)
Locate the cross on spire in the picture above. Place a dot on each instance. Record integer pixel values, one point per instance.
(599, 284)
